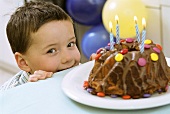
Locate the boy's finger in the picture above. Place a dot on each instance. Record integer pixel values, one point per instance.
(39, 72)
(49, 74)
(33, 79)
(43, 73)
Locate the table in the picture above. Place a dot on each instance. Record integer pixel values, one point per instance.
(47, 97)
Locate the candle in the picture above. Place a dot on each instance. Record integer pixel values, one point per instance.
(111, 36)
(143, 35)
(137, 29)
(117, 29)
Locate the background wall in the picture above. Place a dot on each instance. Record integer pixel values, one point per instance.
(158, 27)
(6, 56)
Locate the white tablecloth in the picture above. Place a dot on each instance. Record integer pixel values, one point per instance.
(47, 97)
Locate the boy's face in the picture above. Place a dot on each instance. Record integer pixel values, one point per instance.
(53, 47)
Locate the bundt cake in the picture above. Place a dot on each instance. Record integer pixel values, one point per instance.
(128, 73)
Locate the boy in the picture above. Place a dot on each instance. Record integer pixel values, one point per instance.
(42, 39)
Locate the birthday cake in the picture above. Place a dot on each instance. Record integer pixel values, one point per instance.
(128, 72)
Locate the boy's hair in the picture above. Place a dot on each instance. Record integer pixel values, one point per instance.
(28, 19)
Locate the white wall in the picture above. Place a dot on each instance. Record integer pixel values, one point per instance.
(6, 55)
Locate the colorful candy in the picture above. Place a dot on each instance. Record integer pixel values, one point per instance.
(126, 96)
(129, 40)
(86, 84)
(159, 90)
(159, 46)
(99, 50)
(141, 62)
(154, 57)
(157, 50)
(89, 90)
(148, 41)
(98, 56)
(146, 46)
(107, 48)
(122, 40)
(124, 51)
(113, 96)
(119, 57)
(100, 94)
(146, 95)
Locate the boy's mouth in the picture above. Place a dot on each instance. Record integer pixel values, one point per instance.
(75, 64)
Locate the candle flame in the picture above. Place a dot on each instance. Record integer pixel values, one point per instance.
(116, 19)
(143, 23)
(135, 19)
(110, 25)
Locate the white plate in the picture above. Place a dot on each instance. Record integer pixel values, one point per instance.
(72, 86)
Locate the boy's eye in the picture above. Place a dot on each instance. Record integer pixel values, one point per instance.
(71, 44)
(51, 51)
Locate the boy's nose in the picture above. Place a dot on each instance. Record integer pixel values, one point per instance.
(66, 57)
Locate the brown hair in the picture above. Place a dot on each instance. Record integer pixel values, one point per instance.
(28, 19)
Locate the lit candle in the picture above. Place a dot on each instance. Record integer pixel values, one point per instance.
(137, 29)
(143, 35)
(117, 29)
(111, 36)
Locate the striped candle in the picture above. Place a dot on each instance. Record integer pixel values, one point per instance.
(143, 35)
(137, 29)
(117, 30)
(111, 37)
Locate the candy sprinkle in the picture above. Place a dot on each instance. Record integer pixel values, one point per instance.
(113, 96)
(146, 95)
(124, 51)
(98, 56)
(89, 90)
(119, 57)
(107, 48)
(146, 46)
(141, 62)
(157, 50)
(86, 84)
(148, 41)
(122, 40)
(126, 96)
(159, 90)
(159, 46)
(129, 40)
(99, 50)
(154, 57)
(100, 94)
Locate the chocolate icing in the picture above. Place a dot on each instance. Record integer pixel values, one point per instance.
(127, 77)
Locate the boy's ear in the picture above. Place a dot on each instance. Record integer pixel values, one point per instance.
(22, 64)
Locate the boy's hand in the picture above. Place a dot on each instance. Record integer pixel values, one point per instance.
(39, 75)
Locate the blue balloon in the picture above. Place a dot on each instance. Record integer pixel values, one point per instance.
(94, 39)
(86, 12)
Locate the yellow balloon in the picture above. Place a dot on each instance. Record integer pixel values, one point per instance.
(125, 10)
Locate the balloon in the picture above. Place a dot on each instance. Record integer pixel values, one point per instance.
(87, 12)
(94, 39)
(126, 10)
